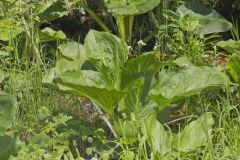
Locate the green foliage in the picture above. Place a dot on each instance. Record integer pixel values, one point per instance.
(109, 103)
(9, 29)
(233, 67)
(7, 111)
(131, 7)
(122, 87)
(48, 34)
(196, 134)
(177, 85)
(7, 118)
(205, 20)
(233, 63)
(230, 46)
(124, 12)
(158, 138)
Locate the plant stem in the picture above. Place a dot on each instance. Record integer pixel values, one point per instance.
(106, 120)
(125, 25)
(93, 14)
(150, 36)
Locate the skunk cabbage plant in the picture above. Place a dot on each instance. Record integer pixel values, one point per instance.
(127, 90)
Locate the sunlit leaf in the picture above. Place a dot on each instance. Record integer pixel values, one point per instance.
(156, 135)
(230, 46)
(233, 67)
(9, 29)
(72, 50)
(176, 85)
(48, 34)
(108, 53)
(209, 20)
(130, 7)
(194, 135)
(7, 110)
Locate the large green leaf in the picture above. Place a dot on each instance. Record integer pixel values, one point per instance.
(108, 53)
(51, 10)
(106, 99)
(230, 46)
(7, 146)
(9, 29)
(130, 7)
(109, 49)
(196, 134)
(92, 85)
(210, 21)
(233, 67)
(176, 85)
(156, 135)
(48, 34)
(72, 50)
(137, 78)
(7, 110)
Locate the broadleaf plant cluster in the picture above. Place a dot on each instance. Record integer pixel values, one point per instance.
(128, 91)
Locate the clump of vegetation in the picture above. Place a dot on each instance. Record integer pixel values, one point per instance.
(117, 79)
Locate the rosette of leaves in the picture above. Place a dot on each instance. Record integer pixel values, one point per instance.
(124, 12)
(125, 89)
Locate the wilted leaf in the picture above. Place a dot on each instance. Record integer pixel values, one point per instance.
(195, 135)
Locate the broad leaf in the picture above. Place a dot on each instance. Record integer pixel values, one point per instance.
(194, 135)
(137, 78)
(72, 50)
(209, 20)
(156, 135)
(233, 67)
(7, 110)
(64, 65)
(230, 46)
(130, 7)
(48, 34)
(7, 146)
(9, 29)
(106, 99)
(51, 10)
(4, 53)
(176, 85)
(109, 49)
(108, 53)
(183, 62)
